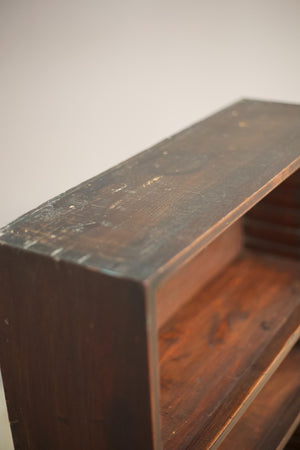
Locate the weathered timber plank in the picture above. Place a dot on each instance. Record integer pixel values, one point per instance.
(145, 216)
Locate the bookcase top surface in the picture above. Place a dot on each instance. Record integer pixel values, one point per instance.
(144, 217)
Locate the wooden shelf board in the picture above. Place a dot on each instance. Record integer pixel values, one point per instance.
(147, 216)
(294, 442)
(274, 414)
(219, 349)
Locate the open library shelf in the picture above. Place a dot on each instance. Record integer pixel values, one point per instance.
(155, 306)
(273, 416)
(222, 346)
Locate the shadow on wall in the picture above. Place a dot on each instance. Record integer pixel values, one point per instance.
(5, 435)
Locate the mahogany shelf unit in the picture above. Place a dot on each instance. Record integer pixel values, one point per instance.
(273, 416)
(157, 305)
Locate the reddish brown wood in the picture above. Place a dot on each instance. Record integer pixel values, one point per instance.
(273, 233)
(220, 349)
(185, 282)
(145, 217)
(274, 414)
(287, 194)
(275, 214)
(73, 356)
(273, 225)
(294, 442)
(80, 276)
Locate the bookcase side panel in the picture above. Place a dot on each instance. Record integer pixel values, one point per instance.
(74, 356)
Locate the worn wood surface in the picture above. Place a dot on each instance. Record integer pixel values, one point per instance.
(144, 217)
(274, 414)
(220, 348)
(74, 359)
(81, 274)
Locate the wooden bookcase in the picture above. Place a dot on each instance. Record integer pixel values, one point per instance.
(157, 305)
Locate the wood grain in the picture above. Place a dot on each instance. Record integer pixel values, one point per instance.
(273, 225)
(217, 351)
(147, 216)
(275, 412)
(275, 214)
(205, 266)
(81, 277)
(74, 358)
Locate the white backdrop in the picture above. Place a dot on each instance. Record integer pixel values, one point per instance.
(85, 84)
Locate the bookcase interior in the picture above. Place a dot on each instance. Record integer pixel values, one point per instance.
(227, 319)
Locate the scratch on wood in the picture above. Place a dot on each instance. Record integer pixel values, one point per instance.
(149, 182)
(123, 186)
(28, 244)
(115, 204)
(83, 258)
(56, 252)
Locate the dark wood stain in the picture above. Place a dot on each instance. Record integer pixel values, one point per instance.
(231, 356)
(294, 442)
(274, 413)
(60, 335)
(130, 307)
(139, 219)
(273, 224)
(189, 278)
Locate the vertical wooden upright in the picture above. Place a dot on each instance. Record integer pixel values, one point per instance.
(74, 356)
